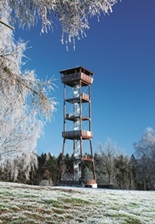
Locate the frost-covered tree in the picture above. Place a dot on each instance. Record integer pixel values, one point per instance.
(145, 155)
(73, 15)
(105, 162)
(112, 168)
(24, 104)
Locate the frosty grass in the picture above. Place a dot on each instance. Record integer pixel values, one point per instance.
(26, 204)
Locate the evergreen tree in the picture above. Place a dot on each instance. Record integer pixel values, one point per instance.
(122, 172)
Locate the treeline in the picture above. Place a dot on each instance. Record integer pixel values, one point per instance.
(121, 172)
(113, 169)
(46, 173)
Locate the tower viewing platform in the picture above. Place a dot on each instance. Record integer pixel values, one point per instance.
(72, 76)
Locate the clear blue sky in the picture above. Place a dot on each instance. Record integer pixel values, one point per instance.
(120, 50)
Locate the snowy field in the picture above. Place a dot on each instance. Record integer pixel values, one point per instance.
(27, 204)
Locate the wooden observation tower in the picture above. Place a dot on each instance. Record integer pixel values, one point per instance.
(77, 168)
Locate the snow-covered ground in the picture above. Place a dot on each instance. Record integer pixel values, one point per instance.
(27, 204)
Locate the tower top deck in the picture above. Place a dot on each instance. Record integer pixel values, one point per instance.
(72, 76)
(76, 70)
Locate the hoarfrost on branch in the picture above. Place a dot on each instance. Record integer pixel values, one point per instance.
(73, 15)
(24, 104)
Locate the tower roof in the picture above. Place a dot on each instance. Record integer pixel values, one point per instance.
(76, 69)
